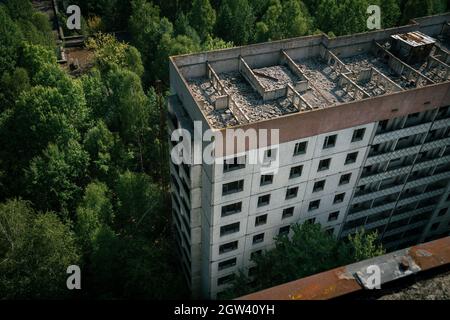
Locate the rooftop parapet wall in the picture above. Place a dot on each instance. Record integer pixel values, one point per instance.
(222, 89)
(309, 123)
(431, 25)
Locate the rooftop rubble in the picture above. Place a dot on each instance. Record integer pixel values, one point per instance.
(437, 288)
(362, 62)
(275, 77)
(325, 79)
(402, 62)
(250, 102)
(206, 95)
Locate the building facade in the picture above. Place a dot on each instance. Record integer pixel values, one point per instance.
(364, 142)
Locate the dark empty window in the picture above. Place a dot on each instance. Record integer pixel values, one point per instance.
(330, 141)
(266, 179)
(288, 212)
(270, 154)
(313, 205)
(324, 164)
(229, 229)
(260, 220)
(255, 254)
(333, 216)
(345, 178)
(319, 186)
(358, 134)
(300, 148)
(226, 279)
(330, 231)
(383, 124)
(231, 209)
(311, 220)
(258, 238)
(227, 264)
(252, 271)
(232, 187)
(284, 231)
(264, 200)
(295, 172)
(234, 164)
(442, 212)
(339, 198)
(434, 226)
(351, 158)
(227, 247)
(291, 192)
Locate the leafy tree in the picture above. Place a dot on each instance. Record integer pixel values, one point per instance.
(34, 57)
(94, 211)
(170, 46)
(268, 27)
(183, 27)
(216, 44)
(105, 268)
(95, 93)
(310, 250)
(41, 116)
(147, 28)
(420, 8)
(19, 9)
(36, 251)
(99, 143)
(13, 84)
(235, 21)
(202, 17)
(342, 17)
(326, 16)
(10, 41)
(282, 21)
(36, 29)
(390, 13)
(110, 51)
(362, 246)
(139, 205)
(259, 7)
(55, 178)
(152, 264)
(293, 19)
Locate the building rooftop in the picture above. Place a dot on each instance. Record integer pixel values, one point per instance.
(264, 81)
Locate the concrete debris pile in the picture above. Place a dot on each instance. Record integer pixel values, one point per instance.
(275, 77)
(366, 61)
(250, 102)
(437, 288)
(323, 78)
(205, 94)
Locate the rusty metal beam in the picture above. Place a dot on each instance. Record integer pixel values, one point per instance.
(343, 280)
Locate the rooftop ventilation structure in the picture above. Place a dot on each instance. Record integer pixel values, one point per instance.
(412, 47)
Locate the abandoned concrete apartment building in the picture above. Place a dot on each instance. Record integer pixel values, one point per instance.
(364, 130)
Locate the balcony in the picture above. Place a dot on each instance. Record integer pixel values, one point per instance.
(401, 133)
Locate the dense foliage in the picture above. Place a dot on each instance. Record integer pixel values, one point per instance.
(310, 250)
(83, 163)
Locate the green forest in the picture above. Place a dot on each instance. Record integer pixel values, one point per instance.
(84, 160)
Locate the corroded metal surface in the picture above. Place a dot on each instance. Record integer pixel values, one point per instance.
(343, 280)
